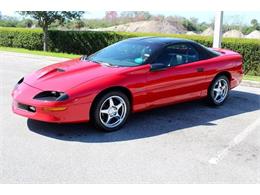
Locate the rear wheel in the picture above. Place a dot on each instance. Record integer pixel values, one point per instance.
(218, 91)
(111, 111)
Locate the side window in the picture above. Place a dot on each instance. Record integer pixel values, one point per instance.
(178, 54)
(193, 54)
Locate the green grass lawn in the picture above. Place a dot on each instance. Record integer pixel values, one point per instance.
(65, 55)
(251, 78)
(42, 53)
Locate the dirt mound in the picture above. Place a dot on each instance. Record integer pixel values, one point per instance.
(191, 33)
(208, 32)
(253, 35)
(234, 34)
(149, 26)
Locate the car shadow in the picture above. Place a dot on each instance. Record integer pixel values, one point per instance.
(153, 122)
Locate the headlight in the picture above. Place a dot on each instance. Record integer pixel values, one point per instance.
(51, 96)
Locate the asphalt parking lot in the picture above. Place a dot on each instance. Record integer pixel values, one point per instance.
(184, 143)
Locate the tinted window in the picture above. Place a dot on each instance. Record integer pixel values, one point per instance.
(125, 53)
(178, 54)
(205, 52)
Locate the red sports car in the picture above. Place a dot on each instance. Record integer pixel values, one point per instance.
(129, 76)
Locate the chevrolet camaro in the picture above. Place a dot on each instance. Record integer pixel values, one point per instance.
(129, 76)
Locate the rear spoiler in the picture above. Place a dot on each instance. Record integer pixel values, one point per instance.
(225, 51)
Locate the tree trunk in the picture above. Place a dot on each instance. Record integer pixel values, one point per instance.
(45, 38)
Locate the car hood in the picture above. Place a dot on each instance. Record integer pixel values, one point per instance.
(68, 74)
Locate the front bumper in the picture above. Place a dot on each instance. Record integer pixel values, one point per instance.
(58, 112)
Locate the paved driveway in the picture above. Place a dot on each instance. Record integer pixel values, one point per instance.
(185, 143)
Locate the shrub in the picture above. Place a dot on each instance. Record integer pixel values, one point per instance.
(21, 38)
(87, 42)
(81, 42)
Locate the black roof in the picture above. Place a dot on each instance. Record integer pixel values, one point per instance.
(159, 40)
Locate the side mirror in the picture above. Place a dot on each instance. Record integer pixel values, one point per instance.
(158, 66)
(83, 58)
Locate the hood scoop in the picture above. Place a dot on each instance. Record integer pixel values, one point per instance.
(66, 75)
(60, 70)
(51, 71)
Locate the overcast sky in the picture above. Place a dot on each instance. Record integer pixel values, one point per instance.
(203, 16)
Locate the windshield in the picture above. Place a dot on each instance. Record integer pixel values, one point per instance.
(125, 53)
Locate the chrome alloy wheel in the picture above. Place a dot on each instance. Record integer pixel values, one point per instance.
(220, 90)
(112, 111)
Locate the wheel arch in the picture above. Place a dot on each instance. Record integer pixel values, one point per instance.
(225, 73)
(122, 89)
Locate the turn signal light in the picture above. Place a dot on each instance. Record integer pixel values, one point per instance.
(55, 108)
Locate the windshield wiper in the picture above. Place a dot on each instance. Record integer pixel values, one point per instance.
(98, 62)
(94, 61)
(103, 63)
(84, 58)
(106, 64)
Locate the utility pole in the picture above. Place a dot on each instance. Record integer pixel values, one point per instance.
(218, 29)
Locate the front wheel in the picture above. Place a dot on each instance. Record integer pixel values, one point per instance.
(111, 111)
(218, 91)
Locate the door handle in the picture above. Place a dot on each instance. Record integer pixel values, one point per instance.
(200, 69)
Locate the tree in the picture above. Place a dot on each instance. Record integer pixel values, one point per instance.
(25, 23)
(142, 15)
(45, 18)
(135, 15)
(254, 23)
(78, 24)
(8, 21)
(159, 17)
(189, 25)
(111, 15)
(127, 14)
(194, 20)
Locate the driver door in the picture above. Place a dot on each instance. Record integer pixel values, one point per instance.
(182, 80)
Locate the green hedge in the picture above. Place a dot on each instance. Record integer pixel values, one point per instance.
(21, 38)
(81, 42)
(87, 42)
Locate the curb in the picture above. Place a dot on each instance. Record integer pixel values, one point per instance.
(248, 83)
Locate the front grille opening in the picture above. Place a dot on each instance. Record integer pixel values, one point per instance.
(26, 107)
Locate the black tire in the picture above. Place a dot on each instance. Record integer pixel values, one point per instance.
(212, 94)
(98, 118)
